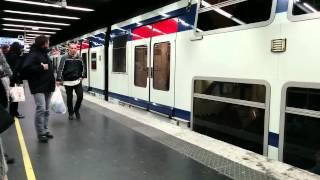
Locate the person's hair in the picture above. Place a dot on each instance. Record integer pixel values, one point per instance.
(72, 42)
(5, 47)
(15, 48)
(41, 40)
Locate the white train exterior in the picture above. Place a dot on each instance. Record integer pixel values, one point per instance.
(242, 71)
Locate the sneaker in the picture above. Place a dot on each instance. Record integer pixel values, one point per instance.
(78, 116)
(49, 135)
(43, 138)
(70, 117)
(9, 159)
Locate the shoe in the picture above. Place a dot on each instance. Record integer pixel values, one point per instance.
(70, 117)
(78, 116)
(9, 160)
(43, 138)
(49, 135)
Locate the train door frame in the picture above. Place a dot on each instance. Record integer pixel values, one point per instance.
(141, 94)
(149, 97)
(164, 98)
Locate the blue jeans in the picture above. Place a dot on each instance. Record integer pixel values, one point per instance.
(42, 101)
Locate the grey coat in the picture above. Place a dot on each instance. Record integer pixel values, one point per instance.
(4, 67)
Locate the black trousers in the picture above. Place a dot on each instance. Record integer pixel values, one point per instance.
(13, 108)
(79, 92)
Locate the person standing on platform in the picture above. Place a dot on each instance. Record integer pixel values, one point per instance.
(14, 59)
(40, 75)
(71, 71)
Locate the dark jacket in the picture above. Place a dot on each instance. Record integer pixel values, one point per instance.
(14, 60)
(71, 68)
(40, 80)
(3, 95)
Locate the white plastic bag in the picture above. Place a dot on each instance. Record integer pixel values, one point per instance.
(57, 103)
(17, 94)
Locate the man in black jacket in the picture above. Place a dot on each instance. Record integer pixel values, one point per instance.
(40, 75)
(70, 72)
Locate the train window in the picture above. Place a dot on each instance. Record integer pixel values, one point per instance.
(232, 112)
(301, 7)
(300, 10)
(94, 61)
(301, 146)
(84, 59)
(119, 54)
(161, 66)
(220, 14)
(248, 92)
(140, 66)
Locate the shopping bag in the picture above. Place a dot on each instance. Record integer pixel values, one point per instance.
(17, 94)
(57, 104)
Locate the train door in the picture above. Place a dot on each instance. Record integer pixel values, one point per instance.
(140, 88)
(162, 63)
(153, 73)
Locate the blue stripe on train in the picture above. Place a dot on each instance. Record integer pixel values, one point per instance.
(273, 139)
(188, 17)
(282, 6)
(170, 111)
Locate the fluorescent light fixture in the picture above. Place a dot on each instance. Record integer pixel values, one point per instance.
(50, 5)
(33, 21)
(34, 35)
(37, 27)
(21, 30)
(40, 14)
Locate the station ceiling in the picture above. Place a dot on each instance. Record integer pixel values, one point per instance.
(51, 17)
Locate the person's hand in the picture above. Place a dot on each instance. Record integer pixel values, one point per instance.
(45, 66)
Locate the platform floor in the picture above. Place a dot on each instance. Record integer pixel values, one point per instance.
(102, 145)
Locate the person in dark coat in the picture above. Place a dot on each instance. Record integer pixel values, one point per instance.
(14, 59)
(40, 75)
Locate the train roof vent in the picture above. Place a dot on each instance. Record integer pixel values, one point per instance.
(278, 45)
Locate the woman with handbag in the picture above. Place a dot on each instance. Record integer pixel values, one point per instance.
(14, 60)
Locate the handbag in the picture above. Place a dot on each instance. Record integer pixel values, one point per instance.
(17, 94)
(5, 119)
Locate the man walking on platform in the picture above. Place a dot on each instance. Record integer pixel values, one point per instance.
(71, 71)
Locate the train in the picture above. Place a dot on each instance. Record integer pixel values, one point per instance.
(241, 71)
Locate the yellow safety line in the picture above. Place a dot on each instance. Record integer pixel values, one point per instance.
(25, 154)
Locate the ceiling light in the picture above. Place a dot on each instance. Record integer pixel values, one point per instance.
(33, 21)
(21, 30)
(50, 5)
(36, 35)
(38, 27)
(40, 14)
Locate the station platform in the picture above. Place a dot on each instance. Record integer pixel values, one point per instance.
(118, 143)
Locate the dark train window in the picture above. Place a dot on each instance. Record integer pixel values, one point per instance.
(301, 146)
(94, 61)
(226, 118)
(161, 66)
(141, 66)
(85, 61)
(217, 14)
(119, 54)
(301, 7)
(248, 92)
